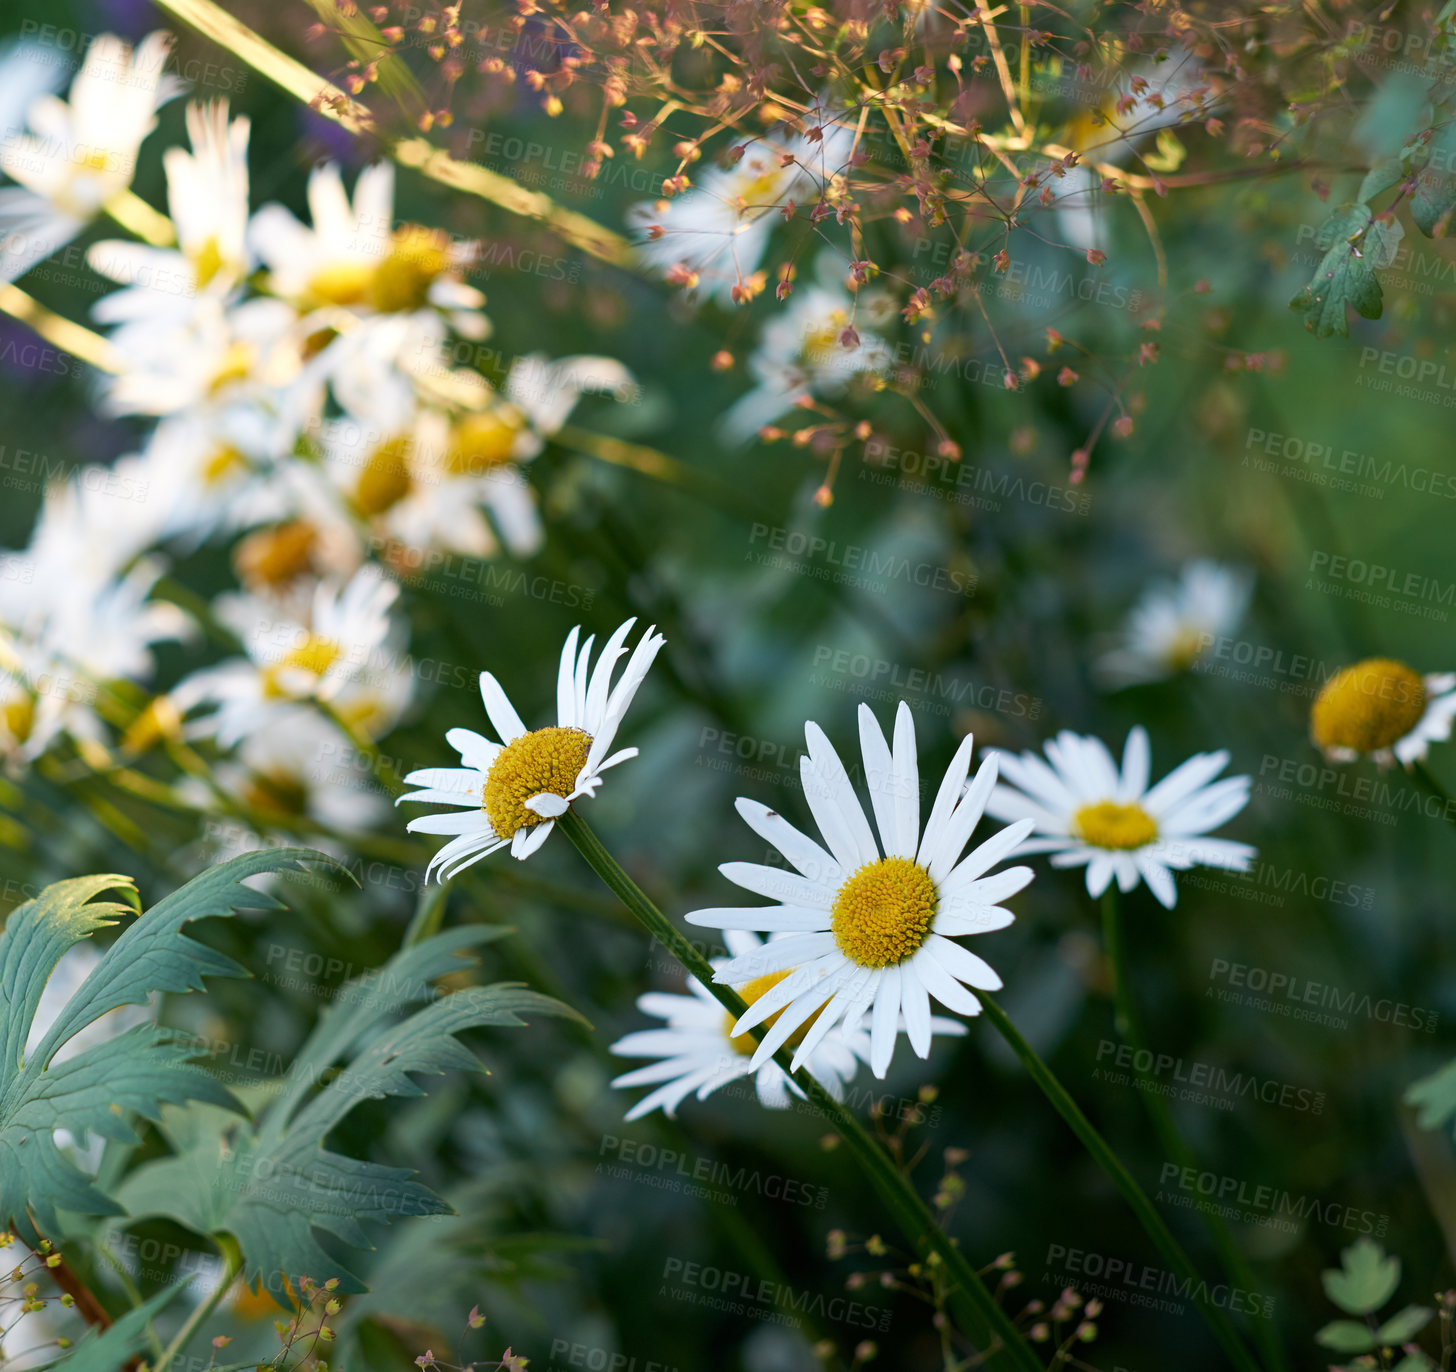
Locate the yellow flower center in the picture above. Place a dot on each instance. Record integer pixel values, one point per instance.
(482, 441)
(403, 280)
(207, 261)
(1368, 706)
(385, 480)
(277, 556)
(236, 365)
(341, 283)
(745, 1044)
(1110, 825)
(314, 655)
(883, 913)
(1185, 649)
(17, 716)
(223, 465)
(543, 760)
(276, 792)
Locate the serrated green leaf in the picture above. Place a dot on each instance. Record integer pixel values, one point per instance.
(1433, 200)
(114, 1347)
(1406, 1325)
(272, 1184)
(1434, 1097)
(1366, 1279)
(135, 1072)
(1345, 1336)
(1354, 243)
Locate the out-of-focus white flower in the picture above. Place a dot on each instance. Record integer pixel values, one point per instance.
(355, 256)
(217, 355)
(213, 467)
(1383, 709)
(1142, 99)
(810, 348)
(82, 153)
(428, 479)
(301, 766)
(697, 1051)
(870, 934)
(341, 647)
(713, 236)
(1174, 623)
(207, 191)
(514, 791)
(1087, 814)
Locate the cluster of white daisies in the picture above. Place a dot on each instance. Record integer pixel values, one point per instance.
(862, 932)
(307, 412)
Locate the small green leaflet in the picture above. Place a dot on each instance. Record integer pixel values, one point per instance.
(1434, 1097)
(136, 1071)
(114, 1347)
(1354, 243)
(1365, 1281)
(271, 1183)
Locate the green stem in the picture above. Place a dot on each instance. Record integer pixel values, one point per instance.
(1136, 1198)
(975, 1309)
(1125, 1019)
(232, 1265)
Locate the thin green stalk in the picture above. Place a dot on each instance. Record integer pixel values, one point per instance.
(232, 1265)
(975, 1309)
(1136, 1198)
(1125, 1019)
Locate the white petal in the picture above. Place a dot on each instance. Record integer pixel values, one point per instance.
(963, 964)
(547, 804)
(885, 1024)
(503, 716)
(803, 853)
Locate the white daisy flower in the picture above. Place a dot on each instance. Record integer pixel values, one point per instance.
(207, 192)
(697, 1051)
(81, 154)
(1173, 623)
(355, 256)
(342, 649)
(1144, 98)
(211, 468)
(713, 235)
(424, 478)
(1087, 814)
(216, 356)
(513, 791)
(1383, 708)
(871, 933)
(301, 765)
(802, 353)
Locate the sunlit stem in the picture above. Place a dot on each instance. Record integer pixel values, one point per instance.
(975, 1309)
(232, 1265)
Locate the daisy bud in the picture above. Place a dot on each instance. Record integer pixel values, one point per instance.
(1096, 256)
(1202, 287)
(722, 360)
(866, 1351)
(1122, 426)
(1067, 377)
(951, 450)
(1010, 382)
(848, 338)
(824, 496)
